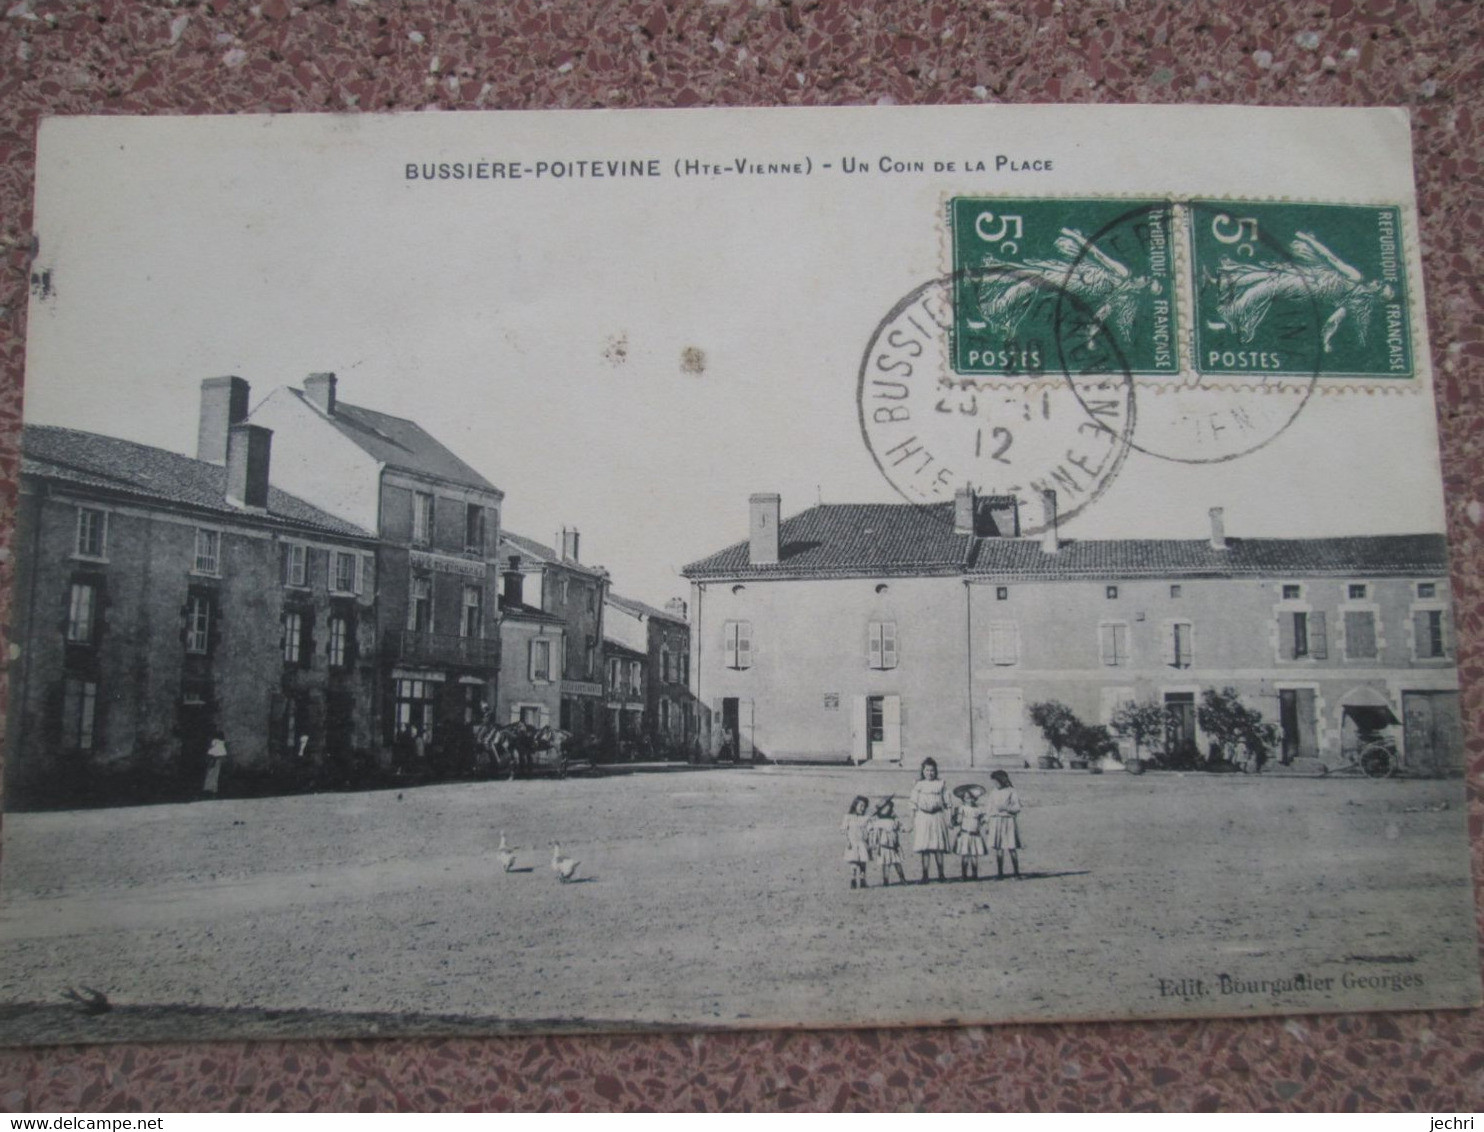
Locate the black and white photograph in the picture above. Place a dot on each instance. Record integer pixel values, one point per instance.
(619, 570)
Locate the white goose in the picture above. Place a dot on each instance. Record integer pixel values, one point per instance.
(564, 867)
(505, 855)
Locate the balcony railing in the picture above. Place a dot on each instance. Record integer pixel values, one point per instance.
(442, 648)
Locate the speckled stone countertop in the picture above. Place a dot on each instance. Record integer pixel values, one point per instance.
(118, 57)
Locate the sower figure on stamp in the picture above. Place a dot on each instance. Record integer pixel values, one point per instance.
(931, 833)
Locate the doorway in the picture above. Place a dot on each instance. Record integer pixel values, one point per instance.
(1433, 732)
(1297, 723)
(1180, 731)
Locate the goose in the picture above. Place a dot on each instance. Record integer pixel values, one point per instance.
(504, 855)
(564, 867)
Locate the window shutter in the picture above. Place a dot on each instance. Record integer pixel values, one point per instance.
(729, 643)
(1105, 643)
(744, 644)
(1318, 636)
(363, 575)
(283, 564)
(1171, 633)
(1285, 636)
(1444, 646)
(891, 728)
(873, 644)
(1422, 633)
(1360, 635)
(1187, 654)
(888, 644)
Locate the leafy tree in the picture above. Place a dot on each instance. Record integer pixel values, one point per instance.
(1092, 741)
(1145, 723)
(1057, 722)
(1234, 726)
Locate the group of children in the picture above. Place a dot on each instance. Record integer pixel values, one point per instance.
(966, 821)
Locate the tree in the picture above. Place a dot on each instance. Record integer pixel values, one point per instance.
(1145, 723)
(1234, 726)
(1056, 721)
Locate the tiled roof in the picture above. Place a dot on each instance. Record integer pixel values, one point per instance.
(403, 444)
(529, 548)
(640, 609)
(613, 647)
(905, 539)
(871, 538)
(89, 459)
(1194, 558)
(524, 612)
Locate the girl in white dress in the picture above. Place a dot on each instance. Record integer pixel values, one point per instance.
(1004, 811)
(886, 840)
(931, 833)
(855, 826)
(972, 821)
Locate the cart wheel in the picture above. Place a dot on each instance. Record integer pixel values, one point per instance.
(1377, 762)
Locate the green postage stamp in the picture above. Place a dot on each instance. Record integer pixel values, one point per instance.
(1274, 289)
(1292, 289)
(1026, 272)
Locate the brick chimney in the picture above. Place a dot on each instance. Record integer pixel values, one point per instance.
(1218, 528)
(676, 607)
(964, 504)
(223, 404)
(320, 389)
(570, 544)
(1050, 541)
(248, 448)
(513, 582)
(762, 528)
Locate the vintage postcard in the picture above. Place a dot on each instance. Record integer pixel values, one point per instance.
(744, 568)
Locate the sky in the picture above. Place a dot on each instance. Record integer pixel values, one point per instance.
(634, 355)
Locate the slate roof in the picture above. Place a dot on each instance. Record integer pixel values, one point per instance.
(640, 609)
(157, 475)
(529, 548)
(402, 444)
(859, 538)
(902, 539)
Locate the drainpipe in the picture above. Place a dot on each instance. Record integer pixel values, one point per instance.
(969, 658)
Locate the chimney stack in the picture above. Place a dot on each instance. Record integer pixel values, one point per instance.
(762, 528)
(223, 404)
(569, 544)
(1218, 528)
(514, 582)
(320, 389)
(963, 511)
(1050, 543)
(676, 607)
(248, 448)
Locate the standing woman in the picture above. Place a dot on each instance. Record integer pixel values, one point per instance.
(931, 835)
(1004, 810)
(216, 755)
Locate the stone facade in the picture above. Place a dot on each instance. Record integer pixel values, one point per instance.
(153, 610)
(891, 633)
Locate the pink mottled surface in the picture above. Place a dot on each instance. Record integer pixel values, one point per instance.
(158, 58)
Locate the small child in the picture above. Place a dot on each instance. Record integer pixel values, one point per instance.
(857, 842)
(886, 840)
(1004, 808)
(972, 822)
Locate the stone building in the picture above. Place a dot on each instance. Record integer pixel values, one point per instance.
(624, 684)
(559, 583)
(438, 524)
(663, 637)
(891, 632)
(161, 599)
(532, 644)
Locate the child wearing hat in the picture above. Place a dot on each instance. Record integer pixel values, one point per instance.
(857, 840)
(1004, 809)
(972, 821)
(886, 840)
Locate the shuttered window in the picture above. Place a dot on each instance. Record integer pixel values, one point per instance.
(1004, 643)
(1113, 643)
(736, 644)
(1429, 632)
(1360, 634)
(881, 644)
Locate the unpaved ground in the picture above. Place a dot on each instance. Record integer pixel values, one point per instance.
(720, 898)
